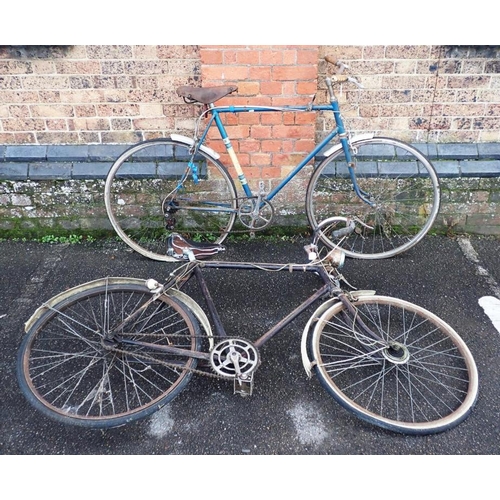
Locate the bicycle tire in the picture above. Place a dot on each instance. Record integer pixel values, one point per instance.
(145, 204)
(401, 182)
(427, 382)
(65, 372)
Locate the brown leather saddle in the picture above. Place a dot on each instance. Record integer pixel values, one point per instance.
(181, 248)
(205, 95)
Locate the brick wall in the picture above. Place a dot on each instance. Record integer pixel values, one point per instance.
(118, 94)
(66, 112)
(436, 94)
(93, 94)
(267, 76)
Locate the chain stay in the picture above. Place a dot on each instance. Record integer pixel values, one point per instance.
(166, 363)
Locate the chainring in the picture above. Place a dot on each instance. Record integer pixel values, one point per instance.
(234, 358)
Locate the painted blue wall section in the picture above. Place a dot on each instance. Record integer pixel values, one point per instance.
(62, 162)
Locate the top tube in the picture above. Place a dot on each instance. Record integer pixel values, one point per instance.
(291, 108)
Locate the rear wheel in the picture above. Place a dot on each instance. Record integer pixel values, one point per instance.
(152, 190)
(417, 377)
(68, 372)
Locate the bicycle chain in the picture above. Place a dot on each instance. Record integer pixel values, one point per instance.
(172, 365)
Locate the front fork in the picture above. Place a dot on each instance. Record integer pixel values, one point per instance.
(348, 148)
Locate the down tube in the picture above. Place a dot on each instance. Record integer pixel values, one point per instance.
(304, 162)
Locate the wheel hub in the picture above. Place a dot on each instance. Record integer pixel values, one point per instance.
(397, 353)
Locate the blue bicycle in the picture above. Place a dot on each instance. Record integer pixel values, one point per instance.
(382, 193)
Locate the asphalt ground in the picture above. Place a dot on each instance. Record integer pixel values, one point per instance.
(288, 414)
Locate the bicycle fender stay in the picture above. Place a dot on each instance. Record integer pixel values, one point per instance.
(307, 362)
(182, 297)
(357, 138)
(189, 141)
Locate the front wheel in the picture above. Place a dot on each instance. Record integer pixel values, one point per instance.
(154, 189)
(402, 194)
(70, 373)
(413, 374)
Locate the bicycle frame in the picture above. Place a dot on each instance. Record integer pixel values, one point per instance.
(329, 289)
(326, 290)
(339, 131)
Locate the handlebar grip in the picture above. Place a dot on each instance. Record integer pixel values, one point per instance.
(340, 78)
(331, 60)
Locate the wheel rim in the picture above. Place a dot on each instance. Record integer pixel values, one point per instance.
(145, 205)
(428, 387)
(406, 202)
(70, 375)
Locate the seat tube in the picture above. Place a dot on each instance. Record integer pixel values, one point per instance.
(232, 155)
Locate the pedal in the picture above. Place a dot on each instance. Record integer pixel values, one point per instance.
(244, 387)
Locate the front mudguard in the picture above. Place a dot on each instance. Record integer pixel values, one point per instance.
(352, 142)
(305, 351)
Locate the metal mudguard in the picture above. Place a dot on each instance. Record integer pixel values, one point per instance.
(182, 297)
(308, 329)
(190, 142)
(357, 138)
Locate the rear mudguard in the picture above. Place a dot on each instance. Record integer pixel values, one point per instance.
(182, 297)
(190, 142)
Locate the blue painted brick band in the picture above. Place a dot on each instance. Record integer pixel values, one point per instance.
(35, 162)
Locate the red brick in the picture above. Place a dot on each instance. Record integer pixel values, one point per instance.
(271, 118)
(290, 101)
(270, 173)
(271, 57)
(238, 131)
(262, 73)
(248, 57)
(248, 88)
(249, 118)
(211, 56)
(261, 159)
(261, 132)
(305, 117)
(305, 146)
(307, 88)
(271, 88)
(302, 131)
(272, 146)
(249, 146)
(308, 56)
(230, 119)
(288, 159)
(228, 56)
(293, 73)
(290, 57)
